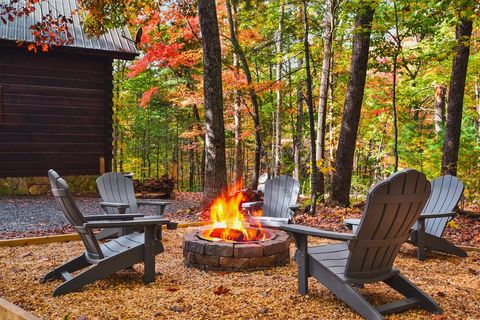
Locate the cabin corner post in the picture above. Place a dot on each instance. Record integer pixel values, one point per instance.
(108, 114)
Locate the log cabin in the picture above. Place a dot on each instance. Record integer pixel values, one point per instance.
(56, 106)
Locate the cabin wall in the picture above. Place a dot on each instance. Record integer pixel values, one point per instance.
(55, 112)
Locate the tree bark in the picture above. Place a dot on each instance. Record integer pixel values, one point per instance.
(439, 107)
(353, 103)
(278, 76)
(324, 85)
(215, 166)
(253, 96)
(455, 97)
(311, 116)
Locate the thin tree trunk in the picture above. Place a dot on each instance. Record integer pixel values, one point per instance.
(311, 116)
(398, 48)
(253, 96)
(394, 110)
(455, 97)
(342, 178)
(298, 135)
(191, 166)
(439, 107)
(477, 102)
(324, 85)
(278, 76)
(120, 142)
(215, 165)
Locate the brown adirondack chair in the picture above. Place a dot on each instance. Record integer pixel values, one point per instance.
(110, 257)
(392, 208)
(428, 231)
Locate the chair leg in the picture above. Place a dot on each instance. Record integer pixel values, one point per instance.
(440, 244)
(149, 254)
(88, 276)
(301, 257)
(409, 290)
(75, 264)
(345, 292)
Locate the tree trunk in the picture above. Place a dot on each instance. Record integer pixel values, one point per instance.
(298, 135)
(215, 166)
(278, 75)
(353, 103)
(439, 107)
(477, 103)
(253, 96)
(455, 97)
(324, 85)
(120, 142)
(311, 116)
(394, 110)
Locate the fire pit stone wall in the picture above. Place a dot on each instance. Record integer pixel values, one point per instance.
(216, 255)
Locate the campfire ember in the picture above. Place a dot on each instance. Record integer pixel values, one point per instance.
(229, 222)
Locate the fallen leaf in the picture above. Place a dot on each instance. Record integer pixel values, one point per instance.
(473, 271)
(177, 308)
(221, 290)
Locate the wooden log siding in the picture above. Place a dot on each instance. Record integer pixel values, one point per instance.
(56, 112)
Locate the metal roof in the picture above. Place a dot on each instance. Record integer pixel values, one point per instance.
(111, 43)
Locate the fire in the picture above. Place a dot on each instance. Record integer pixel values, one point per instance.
(229, 222)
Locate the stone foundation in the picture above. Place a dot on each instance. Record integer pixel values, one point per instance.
(235, 256)
(40, 185)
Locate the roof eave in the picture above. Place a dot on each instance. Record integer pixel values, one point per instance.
(122, 55)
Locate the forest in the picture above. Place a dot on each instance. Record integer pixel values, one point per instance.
(339, 94)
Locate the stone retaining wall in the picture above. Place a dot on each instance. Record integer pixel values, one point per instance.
(39, 185)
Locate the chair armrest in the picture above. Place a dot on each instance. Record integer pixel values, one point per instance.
(130, 223)
(294, 207)
(115, 205)
(113, 217)
(153, 203)
(296, 228)
(436, 215)
(255, 204)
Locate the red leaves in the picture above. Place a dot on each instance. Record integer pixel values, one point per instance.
(147, 96)
(51, 30)
(221, 290)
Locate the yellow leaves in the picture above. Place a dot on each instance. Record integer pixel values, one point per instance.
(452, 224)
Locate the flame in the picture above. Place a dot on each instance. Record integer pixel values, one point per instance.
(228, 220)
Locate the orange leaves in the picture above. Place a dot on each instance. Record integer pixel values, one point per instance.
(147, 96)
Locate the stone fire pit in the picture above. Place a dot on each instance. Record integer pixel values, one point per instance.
(220, 255)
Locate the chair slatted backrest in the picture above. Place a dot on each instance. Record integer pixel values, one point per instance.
(446, 193)
(392, 208)
(280, 193)
(115, 187)
(65, 200)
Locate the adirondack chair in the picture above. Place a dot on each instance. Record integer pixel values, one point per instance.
(428, 231)
(392, 208)
(118, 195)
(110, 257)
(279, 202)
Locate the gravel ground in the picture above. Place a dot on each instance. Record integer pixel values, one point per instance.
(184, 293)
(26, 213)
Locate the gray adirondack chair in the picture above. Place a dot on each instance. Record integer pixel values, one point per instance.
(279, 202)
(392, 208)
(110, 257)
(118, 195)
(428, 231)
